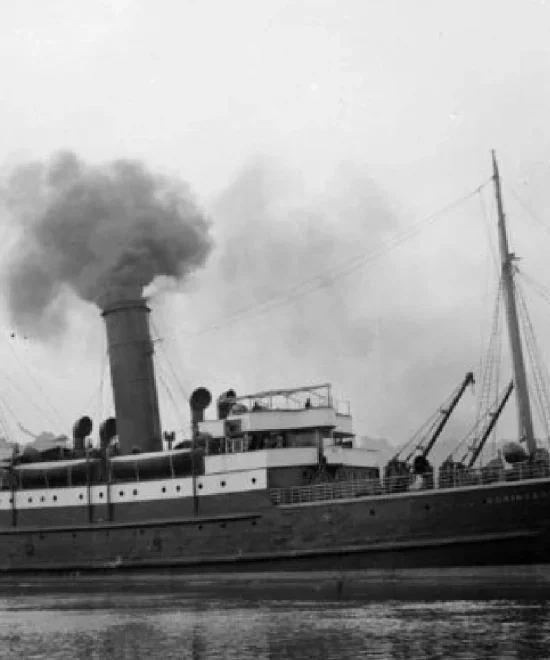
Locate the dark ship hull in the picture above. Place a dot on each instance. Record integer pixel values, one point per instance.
(506, 523)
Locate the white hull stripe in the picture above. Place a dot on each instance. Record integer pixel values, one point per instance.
(136, 491)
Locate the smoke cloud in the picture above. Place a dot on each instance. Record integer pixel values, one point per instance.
(93, 230)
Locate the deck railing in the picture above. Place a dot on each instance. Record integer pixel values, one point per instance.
(407, 483)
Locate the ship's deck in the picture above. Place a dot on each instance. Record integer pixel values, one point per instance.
(353, 488)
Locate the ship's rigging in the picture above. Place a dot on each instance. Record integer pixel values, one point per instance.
(522, 338)
(523, 342)
(525, 418)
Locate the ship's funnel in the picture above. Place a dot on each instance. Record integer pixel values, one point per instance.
(132, 371)
(199, 402)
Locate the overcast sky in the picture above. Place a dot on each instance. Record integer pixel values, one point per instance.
(311, 132)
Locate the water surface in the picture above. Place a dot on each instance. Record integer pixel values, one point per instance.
(110, 623)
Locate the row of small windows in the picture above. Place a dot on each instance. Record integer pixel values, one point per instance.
(121, 492)
(515, 497)
(142, 531)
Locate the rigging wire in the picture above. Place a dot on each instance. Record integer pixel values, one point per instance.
(329, 276)
(527, 208)
(173, 399)
(98, 389)
(4, 426)
(540, 374)
(57, 415)
(183, 390)
(539, 288)
(539, 377)
(489, 358)
(4, 429)
(487, 226)
(490, 379)
(30, 400)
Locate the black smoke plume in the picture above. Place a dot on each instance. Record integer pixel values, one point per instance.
(93, 229)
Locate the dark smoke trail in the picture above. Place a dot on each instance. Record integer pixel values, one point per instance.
(93, 229)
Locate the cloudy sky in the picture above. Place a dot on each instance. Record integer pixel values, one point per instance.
(312, 134)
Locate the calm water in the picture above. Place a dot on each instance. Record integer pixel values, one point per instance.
(135, 625)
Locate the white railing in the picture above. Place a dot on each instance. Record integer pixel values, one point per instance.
(326, 491)
(406, 483)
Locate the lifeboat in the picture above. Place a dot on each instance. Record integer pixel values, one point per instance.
(48, 474)
(157, 465)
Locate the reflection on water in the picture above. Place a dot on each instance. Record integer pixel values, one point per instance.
(136, 627)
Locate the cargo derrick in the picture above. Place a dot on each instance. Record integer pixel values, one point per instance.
(459, 472)
(400, 471)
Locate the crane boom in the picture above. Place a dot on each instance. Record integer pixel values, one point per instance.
(447, 412)
(492, 420)
(426, 437)
(477, 436)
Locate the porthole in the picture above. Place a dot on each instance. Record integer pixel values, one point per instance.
(121, 493)
(200, 486)
(135, 491)
(164, 489)
(222, 484)
(253, 480)
(54, 498)
(29, 500)
(101, 495)
(178, 488)
(81, 497)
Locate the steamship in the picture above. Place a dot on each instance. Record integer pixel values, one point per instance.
(273, 481)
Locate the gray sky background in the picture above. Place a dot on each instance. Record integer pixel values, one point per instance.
(312, 132)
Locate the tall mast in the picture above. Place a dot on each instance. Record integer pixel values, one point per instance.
(525, 418)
